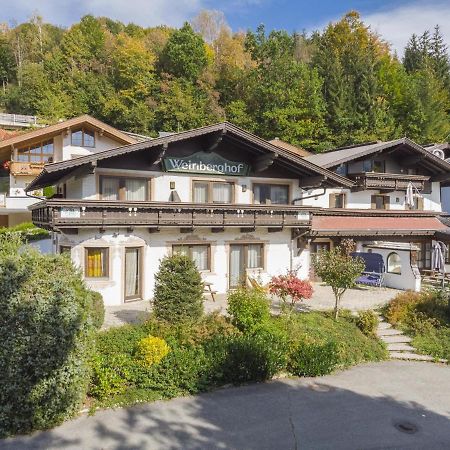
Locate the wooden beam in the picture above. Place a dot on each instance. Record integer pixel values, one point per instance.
(161, 153)
(412, 160)
(263, 162)
(309, 182)
(215, 140)
(441, 177)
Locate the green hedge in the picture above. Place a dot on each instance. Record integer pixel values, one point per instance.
(26, 231)
(47, 336)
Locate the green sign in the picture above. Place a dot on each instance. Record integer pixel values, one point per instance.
(206, 163)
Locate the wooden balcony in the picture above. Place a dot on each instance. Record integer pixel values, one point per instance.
(388, 181)
(61, 213)
(18, 168)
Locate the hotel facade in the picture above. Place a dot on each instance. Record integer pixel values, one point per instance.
(239, 206)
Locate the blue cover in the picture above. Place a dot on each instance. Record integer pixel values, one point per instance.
(374, 270)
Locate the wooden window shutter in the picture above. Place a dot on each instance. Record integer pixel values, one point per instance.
(387, 202)
(420, 203)
(332, 201)
(373, 202)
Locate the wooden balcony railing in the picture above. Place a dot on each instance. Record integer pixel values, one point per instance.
(389, 181)
(62, 213)
(25, 168)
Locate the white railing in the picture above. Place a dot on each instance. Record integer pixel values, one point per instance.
(18, 120)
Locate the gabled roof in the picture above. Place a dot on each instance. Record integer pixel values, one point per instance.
(54, 172)
(52, 130)
(336, 157)
(289, 147)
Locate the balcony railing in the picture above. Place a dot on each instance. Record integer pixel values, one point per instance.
(25, 168)
(389, 181)
(56, 214)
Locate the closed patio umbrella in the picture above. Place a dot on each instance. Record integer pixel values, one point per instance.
(410, 195)
(438, 258)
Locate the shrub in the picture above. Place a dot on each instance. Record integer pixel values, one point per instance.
(46, 340)
(313, 358)
(26, 231)
(151, 350)
(367, 322)
(98, 309)
(178, 290)
(401, 305)
(248, 308)
(289, 286)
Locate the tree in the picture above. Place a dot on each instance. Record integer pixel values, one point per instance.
(339, 270)
(178, 290)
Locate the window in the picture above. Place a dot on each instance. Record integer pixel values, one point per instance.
(83, 138)
(40, 153)
(337, 200)
(199, 253)
(65, 249)
(125, 189)
(377, 166)
(266, 194)
(394, 263)
(423, 258)
(418, 203)
(380, 201)
(96, 265)
(212, 192)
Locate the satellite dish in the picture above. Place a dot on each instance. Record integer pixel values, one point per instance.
(439, 153)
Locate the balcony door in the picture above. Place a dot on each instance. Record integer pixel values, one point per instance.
(243, 257)
(133, 261)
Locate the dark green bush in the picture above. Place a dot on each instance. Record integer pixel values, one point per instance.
(178, 290)
(312, 358)
(367, 322)
(98, 309)
(46, 341)
(248, 308)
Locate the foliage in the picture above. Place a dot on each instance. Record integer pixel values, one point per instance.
(312, 358)
(98, 309)
(338, 270)
(400, 306)
(248, 308)
(178, 290)
(289, 288)
(151, 350)
(367, 322)
(47, 338)
(26, 231)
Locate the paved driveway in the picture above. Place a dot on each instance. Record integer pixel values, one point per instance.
(388, 405)
(356, 299)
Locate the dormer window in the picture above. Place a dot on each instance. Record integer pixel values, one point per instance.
(83, 138)
(377, 166)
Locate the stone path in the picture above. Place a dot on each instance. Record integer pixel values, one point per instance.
(399, 345)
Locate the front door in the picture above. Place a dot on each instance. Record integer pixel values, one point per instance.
(132, 273)
(243, 257)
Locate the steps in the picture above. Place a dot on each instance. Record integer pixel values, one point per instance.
(398, 344)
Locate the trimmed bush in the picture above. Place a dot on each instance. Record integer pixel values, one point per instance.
(26, 231)
(312, 358)
(367, 322)
(401, 305)
(46, 342)
(152, 350)
(248, 308)
(178, 290)
(98, 309)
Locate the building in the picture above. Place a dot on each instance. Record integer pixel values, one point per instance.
(23, 156)
(238, 205)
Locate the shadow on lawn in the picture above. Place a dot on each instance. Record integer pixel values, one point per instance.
(288, 414)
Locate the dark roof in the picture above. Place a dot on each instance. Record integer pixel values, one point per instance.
(336, 157)
(52, 173)
(289, 147)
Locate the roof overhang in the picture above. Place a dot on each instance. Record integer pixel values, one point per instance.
(52, 173)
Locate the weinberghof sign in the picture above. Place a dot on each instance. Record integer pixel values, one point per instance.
(206, 163)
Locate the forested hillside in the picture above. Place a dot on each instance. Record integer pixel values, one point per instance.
(337, 86)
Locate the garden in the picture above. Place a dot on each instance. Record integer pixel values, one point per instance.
(54, 361)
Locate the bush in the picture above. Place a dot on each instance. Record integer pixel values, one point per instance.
(367, 322)
(178, 290)
(26, 231)
(46, 340)
(151, 350)
(312, 358)
(98, 309)
(400, 306)
(290, 287)
(248, 308)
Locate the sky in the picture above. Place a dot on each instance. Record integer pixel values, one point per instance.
(395, 20)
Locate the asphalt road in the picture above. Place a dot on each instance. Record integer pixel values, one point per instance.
(388, 405)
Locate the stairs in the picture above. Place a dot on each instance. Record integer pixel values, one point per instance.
(398, 344)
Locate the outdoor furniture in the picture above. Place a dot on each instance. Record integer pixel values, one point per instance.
(374, 268)
(209, 290)
(256, 284)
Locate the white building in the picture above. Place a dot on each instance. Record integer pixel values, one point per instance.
(22, 157)
(235, 203)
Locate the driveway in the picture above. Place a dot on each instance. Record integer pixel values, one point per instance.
(360, 298)
(388, 405)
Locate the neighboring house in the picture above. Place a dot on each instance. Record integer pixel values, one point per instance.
(376, 208)
(219, 194)
(22, 157)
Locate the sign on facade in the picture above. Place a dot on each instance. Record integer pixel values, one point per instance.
(70, 213)
(205, 163)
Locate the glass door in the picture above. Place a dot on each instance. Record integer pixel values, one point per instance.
(132, 273)
(237, 265)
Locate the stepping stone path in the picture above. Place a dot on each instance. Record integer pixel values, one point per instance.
(398, 344)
